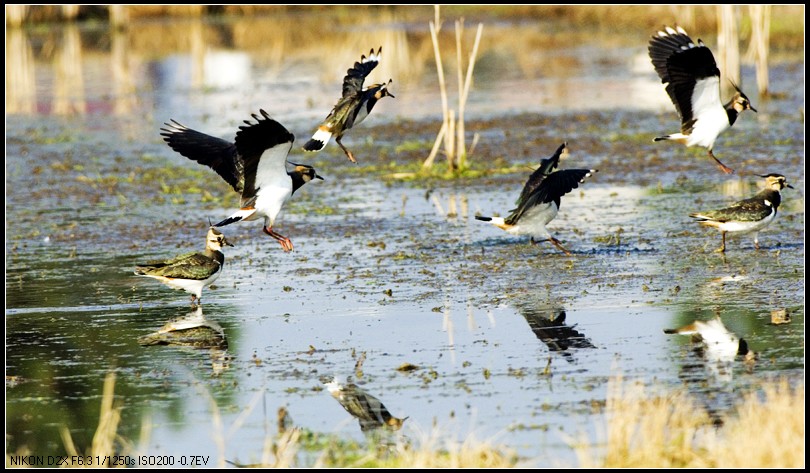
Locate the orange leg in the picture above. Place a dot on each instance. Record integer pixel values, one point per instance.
(723, 167)
(557, 243)
(348, 153)
(285, 242)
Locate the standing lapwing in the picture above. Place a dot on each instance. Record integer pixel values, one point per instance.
(255, 165)
(539, 200)
(193, 271)
(353, 107)
(693, 84)
(749, 215)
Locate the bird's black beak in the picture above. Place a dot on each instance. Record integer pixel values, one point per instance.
(788, 185)
(391, 95)
(752, 109)
(319, 177)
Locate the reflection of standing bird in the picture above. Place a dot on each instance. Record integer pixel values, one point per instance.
(353, 107)
(693, 84)
(191, 271)
(191, 330)
(749, 215)
(369, 410)
(539, 200)
(254, 165)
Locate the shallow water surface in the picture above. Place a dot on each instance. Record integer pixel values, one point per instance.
(509, 341)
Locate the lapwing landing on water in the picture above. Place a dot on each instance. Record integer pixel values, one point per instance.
(693, 83)
(367, 409)
(353, 107)
(720, 343)
(539, 200)
(749, 215)
(193, 271)
(255, 165)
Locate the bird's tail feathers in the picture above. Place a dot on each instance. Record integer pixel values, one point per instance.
(492, 220)
(685, 330)
(700, 217)
(241, 214)
(318, 140)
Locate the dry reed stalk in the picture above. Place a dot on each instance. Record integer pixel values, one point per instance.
(728, 47)
(464, 91)
(434, 27)
(452, 131)
(759, 46)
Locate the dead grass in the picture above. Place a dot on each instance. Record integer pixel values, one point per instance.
(668, 430)
(435, 449)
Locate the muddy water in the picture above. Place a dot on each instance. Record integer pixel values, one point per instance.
(385, 271)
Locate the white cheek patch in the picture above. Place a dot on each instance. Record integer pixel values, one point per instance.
(768, 203)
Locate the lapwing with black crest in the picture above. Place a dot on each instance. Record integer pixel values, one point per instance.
(353, 106)
(255, 165)
(692, 81)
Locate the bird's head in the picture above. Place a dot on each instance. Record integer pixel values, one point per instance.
(740, 102)
(383, 91)
(216, 240)
(749, 356)
(776, 182)
(395, 423)
(306, 172)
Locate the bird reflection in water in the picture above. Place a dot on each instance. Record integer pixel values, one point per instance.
(548, 324)
(708, 368)
(717, 347)
(369, 411)
(193, 330)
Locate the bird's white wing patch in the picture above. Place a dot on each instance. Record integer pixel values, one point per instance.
(706, 97)
(272, 168)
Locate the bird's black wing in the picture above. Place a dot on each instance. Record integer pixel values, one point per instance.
(264, 147)
(216, 153)
(681, 63)
(353, 82)
(156, 264)
(195, 266)
(556, 185)
(547, 165)
(748, 210)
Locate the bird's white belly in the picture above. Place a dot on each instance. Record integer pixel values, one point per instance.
(712, 123)
(747, 227)
(192, 286)
(269, 201)
(534, 221)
